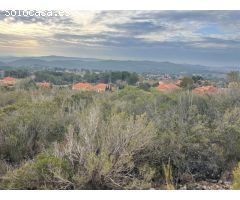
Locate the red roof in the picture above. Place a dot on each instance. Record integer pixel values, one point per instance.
(169, 86)
(100, 86)
(86, 86)
(205, 89)
(9, 79)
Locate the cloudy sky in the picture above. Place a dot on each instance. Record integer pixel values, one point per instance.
(200, 37)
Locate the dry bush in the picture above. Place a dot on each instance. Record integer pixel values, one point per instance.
(101, 152)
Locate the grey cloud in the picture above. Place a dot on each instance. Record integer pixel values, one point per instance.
(126, 39)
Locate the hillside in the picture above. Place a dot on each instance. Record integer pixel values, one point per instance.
(113, 65)
(2, 64)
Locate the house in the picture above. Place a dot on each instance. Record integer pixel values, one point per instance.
(205, 89)
(101, 87)
(44, 84)
(167, 87)
(82, 86)
(9, 81)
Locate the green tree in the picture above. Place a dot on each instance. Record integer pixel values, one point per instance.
(197, 79)
(187, 82)
(132, 79)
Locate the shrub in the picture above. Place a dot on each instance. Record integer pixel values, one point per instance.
(45, 172)
(102, 152)
(236, 177)
(120, 140)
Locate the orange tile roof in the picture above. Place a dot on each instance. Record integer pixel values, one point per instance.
(100, 86)
(170, 86)
(9, 79)
(205, 89)
(85, 86)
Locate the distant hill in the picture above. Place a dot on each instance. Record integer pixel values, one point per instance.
(113, 65)
(2, 64)
(27, 62)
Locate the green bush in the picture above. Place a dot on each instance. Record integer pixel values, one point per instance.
(45, 172)
(236, 178)
(119, 140)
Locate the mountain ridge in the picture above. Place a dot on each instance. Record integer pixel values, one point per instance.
(143, 66)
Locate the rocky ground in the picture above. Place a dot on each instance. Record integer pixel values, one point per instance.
(225, 183)
(205, 185)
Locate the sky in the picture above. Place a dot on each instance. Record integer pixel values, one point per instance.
(194, 37)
